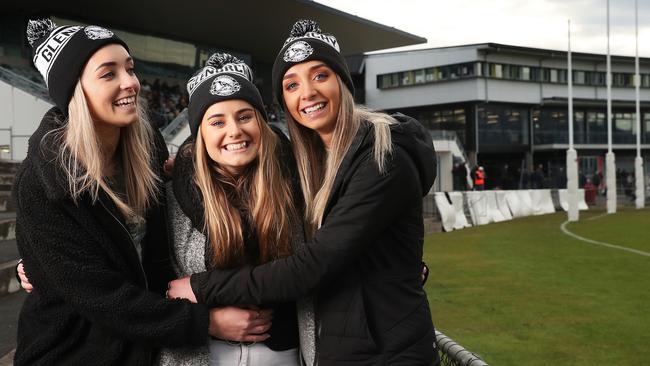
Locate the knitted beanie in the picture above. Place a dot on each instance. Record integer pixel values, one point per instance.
(224, 77)
(307, 42)
(61, 53)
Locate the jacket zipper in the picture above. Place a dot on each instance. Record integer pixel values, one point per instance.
(144, 275)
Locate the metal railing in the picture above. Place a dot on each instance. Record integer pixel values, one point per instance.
(170, 131)
(446, 135)
(453, 354)
(25, 84)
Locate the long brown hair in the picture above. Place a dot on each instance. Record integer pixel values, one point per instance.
(262, 189)
(317, 169)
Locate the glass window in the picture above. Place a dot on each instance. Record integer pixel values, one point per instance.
(578, 77)
(515, 73)
(502, 125)
(579, 136)
(525, 73)
(454, 72)
(431, 74)
(596, 127)
(443, 73)
(496, 71)
(478, 68)
(619, 79)
(419, 76)
(562, 76)
(408, 78)
(645, 80)
(553, 75)
(506, 71)
(466, 70)
(383, 81)
(622, 128)
(646, 127)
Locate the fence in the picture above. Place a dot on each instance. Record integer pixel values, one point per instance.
(453, 354)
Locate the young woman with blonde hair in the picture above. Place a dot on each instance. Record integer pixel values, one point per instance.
(363, 175)
(91, 225)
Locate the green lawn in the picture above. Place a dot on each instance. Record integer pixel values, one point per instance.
(524, 293)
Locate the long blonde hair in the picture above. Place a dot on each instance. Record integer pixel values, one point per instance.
(317, 169)
(85, 166)
(261, 188)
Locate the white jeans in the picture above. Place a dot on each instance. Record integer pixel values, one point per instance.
(257, 354)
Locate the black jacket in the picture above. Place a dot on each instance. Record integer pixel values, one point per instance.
(364, 263)
(91, 305)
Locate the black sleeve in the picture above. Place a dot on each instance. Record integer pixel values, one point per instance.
(67, 261)
(370, 201)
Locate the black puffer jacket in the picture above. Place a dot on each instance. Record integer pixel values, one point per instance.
(364, 263)
(91, 305)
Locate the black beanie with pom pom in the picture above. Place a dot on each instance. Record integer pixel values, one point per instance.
(60, 54)
(307, 42)
(224, 77)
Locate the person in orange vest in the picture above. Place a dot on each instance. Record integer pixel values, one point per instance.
(479, 179)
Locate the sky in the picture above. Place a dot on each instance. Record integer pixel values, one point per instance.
(527, 23)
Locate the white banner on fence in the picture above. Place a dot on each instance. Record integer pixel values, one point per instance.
(512, 199)
(493, 208)
(478, 208)
(457, 201)
(564, 202)
(446, 210)
(542, 203)
(582, 205)
(520, 203)
(502, 204)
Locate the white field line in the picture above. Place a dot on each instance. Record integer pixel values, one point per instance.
(598, 216)
(613, 246)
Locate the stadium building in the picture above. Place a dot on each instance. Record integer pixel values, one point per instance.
(508, 105)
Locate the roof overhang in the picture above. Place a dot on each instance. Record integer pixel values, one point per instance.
(258, 28)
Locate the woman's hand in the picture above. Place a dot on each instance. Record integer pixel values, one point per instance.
(24, 281)
(168, 165)
(180, 289)
(241, 325)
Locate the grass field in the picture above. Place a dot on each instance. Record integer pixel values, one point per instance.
(524, 293)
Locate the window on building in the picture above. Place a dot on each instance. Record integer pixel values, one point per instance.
(502, 125)
(553, 78)
(431, 74)
(408, 78)
(645, 80)
(623, 130)
(646, 128)
(596, 127)
(419, 76)
(579, 77)
(515, 72)
(525, 73)
(579, 136)
(496, 71)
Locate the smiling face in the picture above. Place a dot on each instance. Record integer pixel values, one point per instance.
(312, 95)
(111, 87)
(231, 134)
